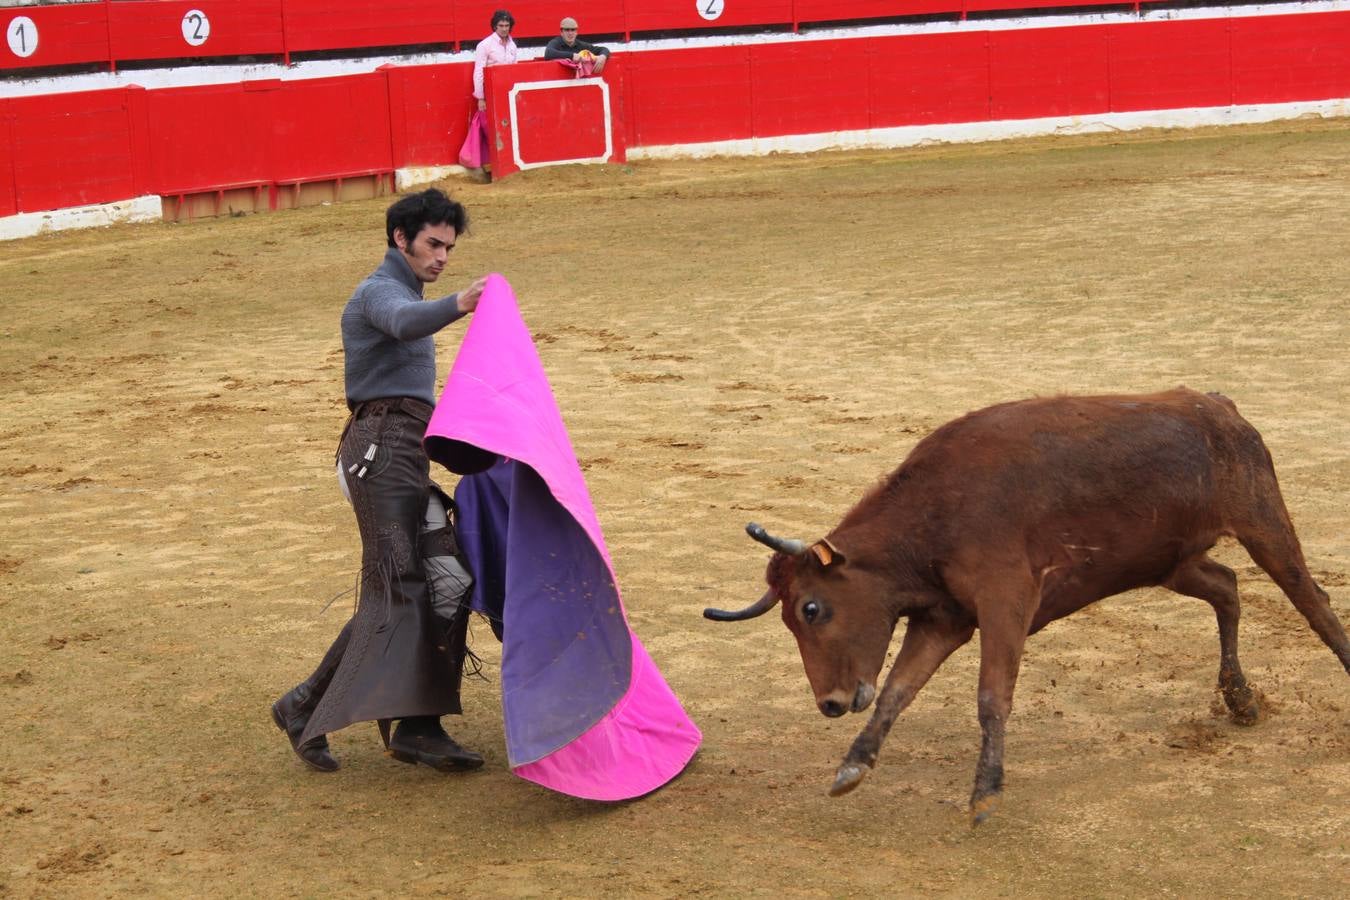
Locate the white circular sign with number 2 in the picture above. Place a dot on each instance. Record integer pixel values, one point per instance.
(196, 27)
(22, 34)
(710, 9)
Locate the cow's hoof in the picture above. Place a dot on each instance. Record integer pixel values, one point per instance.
(982, 809)
(1244, 706)
(1247, 714)
(849, 776)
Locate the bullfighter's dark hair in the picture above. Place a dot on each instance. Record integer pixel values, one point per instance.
(430, 207)
(499, 14)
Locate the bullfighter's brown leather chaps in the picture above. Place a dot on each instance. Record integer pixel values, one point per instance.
(396, 658)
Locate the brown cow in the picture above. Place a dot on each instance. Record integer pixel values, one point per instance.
(1014, 516)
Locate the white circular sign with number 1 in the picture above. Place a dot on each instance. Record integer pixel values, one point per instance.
(196, 27)
(22, 34)
(710, 9)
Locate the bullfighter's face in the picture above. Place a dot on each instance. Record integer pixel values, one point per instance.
(841, 625)
(427, 253)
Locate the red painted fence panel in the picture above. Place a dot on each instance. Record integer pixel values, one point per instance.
(834, 10)
(1158, 65)
(1281, 58)
(1008, 5)
(1048, 72)
(672, 15)
(71, 150)
(685, 96)
(539, 18)
(429, 108)
(182, 29)
(334, 24)
(8, 203)
(54, 35)
(220, 139)
(63, 150)
(330, 128)
(930, 79)
(809, 87)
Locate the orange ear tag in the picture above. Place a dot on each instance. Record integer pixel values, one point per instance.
(822, 552)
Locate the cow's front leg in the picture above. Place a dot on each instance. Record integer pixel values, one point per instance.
(930, 638)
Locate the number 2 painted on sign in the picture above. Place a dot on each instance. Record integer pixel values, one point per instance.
(710, 9)
(196, 27)
(23, 36)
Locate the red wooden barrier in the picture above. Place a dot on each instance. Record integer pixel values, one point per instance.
(810, 86)
(669, 15)
(54, 35)
(332, 24)
(834, 10)
(1282, 58)
(541, 114)
(429, 109)
(218, 136)
(1048, 72)
(126, 30)
(8, 202)
(685, 96)
(71, 150)
(930, 79)
(540, 18)
(63, 150)
(330, 128)
(180, 29)
(1157, 65)
(971, 6)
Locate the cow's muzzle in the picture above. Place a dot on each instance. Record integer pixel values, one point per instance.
(862, 698)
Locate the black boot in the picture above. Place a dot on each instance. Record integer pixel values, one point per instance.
(421, 739)
(291, 713)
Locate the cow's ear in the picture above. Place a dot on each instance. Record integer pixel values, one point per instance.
(827, 553)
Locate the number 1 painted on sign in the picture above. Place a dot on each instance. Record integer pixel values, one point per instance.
(23, 36)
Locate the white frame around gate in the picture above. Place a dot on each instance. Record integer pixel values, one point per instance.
(522, 86)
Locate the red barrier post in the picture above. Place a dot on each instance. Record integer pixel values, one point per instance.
(139, 138)
(9, 191)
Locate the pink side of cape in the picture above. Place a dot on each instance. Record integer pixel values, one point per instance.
(498, 398)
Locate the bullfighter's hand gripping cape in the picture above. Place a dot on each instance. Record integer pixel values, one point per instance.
(586, 710)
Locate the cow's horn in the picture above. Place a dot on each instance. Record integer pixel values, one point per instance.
(782, 545)
(758, 608)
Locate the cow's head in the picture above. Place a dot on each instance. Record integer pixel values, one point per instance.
(835, 611)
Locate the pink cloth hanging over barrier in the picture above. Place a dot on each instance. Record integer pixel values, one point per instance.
(497, 402)
(473, 154)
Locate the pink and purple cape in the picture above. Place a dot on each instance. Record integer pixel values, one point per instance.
(586, 710)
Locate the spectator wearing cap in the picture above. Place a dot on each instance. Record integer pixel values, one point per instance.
(567, 47)
(496, 49)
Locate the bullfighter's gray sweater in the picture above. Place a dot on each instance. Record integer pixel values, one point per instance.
(387, 333)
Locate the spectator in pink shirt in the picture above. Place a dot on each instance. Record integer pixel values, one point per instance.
(494, 50)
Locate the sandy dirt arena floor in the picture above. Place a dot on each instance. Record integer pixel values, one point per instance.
(728, 340)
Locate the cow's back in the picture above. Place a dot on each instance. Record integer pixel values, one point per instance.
(1072, 464)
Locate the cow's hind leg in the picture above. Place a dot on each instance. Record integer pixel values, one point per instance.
(1003, 635)
(929, 639)
(1000, 660)
(1216, 584)
(1275, 548)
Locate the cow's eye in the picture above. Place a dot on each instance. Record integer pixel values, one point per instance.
(810, 611)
